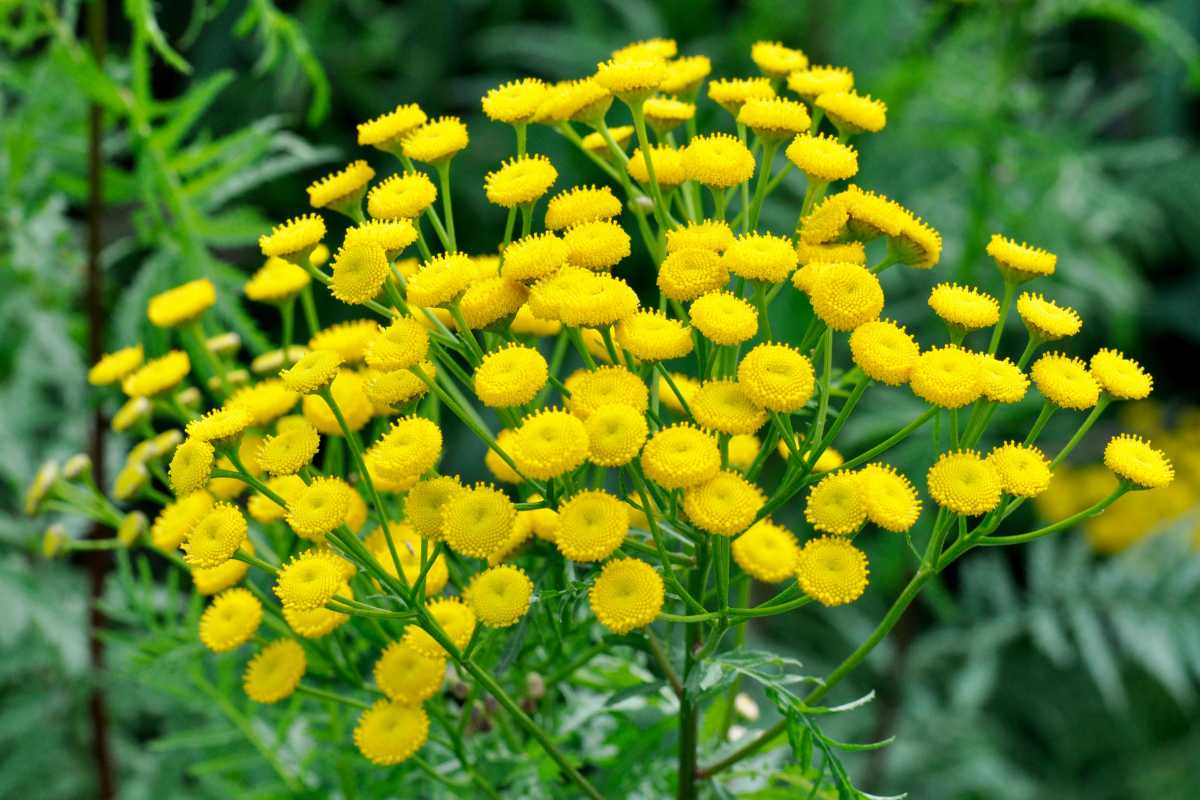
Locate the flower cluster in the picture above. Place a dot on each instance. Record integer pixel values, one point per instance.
(652, 454)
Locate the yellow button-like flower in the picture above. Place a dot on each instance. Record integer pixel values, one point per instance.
(1021, 262)
(596, 245)
(436, 141)
(724, 318)
(386, 131)
(684, 75)
(616, 433)
(1065, 381)
(852, 252)
(510, 376)
(426, 501)
(477, 520)
(767, 551)
(265, 401)
(550, 443)
(393, 235)
(632, 78)
(390, 733)
(275, 671)
(657, 48)
(440, 280)
(709, 234)
(666, 160)
(310, 580)
(290, 450)
(686, 386)
(832, 571)
(341, 189)
(680, 456)
(947, 377)
(777, 377)
(402, 196)
(1045, 319)
(317, 622)
(582, 100)
(1023, 469)
(1121, 376)
(835, 504)
(515, 102)
(815, 81)
(409, 449)
(190, 466)
(216, 537)
(846, 295)
(534, 257)
(182, 304)
(490, 300)
(1132, 458)
(732, 93)
(885, 351)
(651, 335)
(726, 504)
(743, 450)
(230, 620)
(313, 372)
(293, 237)
(407, 675)
(580, 204)
(598, 301)
(761, 257)
(890, 498)
(157, 375)
(964, 307)
(320, 508)
(591, 389)
(115, 366)
(775, 119)
(690, 272)
(456, 620)
(349, 393)
(723, 405)
(964, 482)
(520, 181)
(664, 114)
(628, 594)
(777, 60)
(591, 525)
(718, 161)
(264, 509)
(359, 272)
(176, 520)
(217, 579)
(220, 424)
(500, 595)
(852, 112)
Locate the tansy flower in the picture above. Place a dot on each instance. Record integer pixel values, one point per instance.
(596, 245)
(220, 424)
(628, 594)
(455, 618)
(709, 234)
(407, 675)
(426, 501)
(317, 622)
(616, 433)
(181, 305)
(190, 466)
(348, 339)
(761, 257)
(684, 75)
(591, 526)
(290, 450)
(265, 401)
(767, 551)
(389, 733)
(722, 405)
(827, 222)
(1003, 381)
(1065, 381)
(547, 295)
(690, 272)
(832, 571)
(309, 580)
(581, 100)
(515, 102)
(112, 367)
(440, 280)
(176, 520)
(743, 450)
(724, 318)
(815, 81)
(359, 271)
(401, 345)
(402, 196)
(1024, 470)
(520, 181)
(687, 387)
(349, 393)
(947, 377)
(477, 520)
(526, 323)
(275, 671)
(774, 119)
(964, 482)
(884, 351)
(265, 509)
(964, 307)
(680, 456)
(436, 141)
(835, 504)
(490, 300)
(726, 504)
(717, 160)
(852, 252)
(410, 448)
(1134, 460)
(313, 372)
(731, 93)
(501, 470)
(845, 296)
(660, 49)
(132, 528)
(550, 443)
(1121, 376)
(293, 237)
(580, 204)
(386, 131)
(777, 377)
(890, 499)
(632, 78)
(1046, 320)
(777, 60)
(130, 481)
(1021, 262)
(666, 160)
(269, 363)
(216, 537)
(916, 244)
(853, 113)
(216, 579)
(318, 256)
(599, 301)
(651, 335)
(230, 620)
(591, 389)
(533, 257)
(320, 508)
(156, 376)
(510, 376)
(342, 190)
(664, 114)
(871, 215)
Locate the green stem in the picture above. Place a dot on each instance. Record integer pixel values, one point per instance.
(443, 171)
(1010, 289)
(762, 185)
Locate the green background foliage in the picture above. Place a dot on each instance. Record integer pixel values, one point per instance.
(1067, 123)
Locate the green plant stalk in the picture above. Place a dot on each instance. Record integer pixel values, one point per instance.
(443, 171)
(1084, 427)
(661, 212)
(310, 310)
(1010, 289)
(287, 310)
(1122, 488)
(762, 186)
(194, 332)
(1043, 417)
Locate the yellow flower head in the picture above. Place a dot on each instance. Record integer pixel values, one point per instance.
(598, 301)
(320, 508)
(723, 405)
(651, 335)
(409, 449)
(774, 119)
(359, 271)
(550, 443)
(265, 509)
(440, 280)
(596, 245)
(515, 102)
(761, 257)
(846, 295)
(500, 595)
(275, 671)
(591, 389)
(717, 160)
(176, 520)
(690, 272)
(777, 60)
(580, 204)
(343, 189)
(132, 528)
(1021, 262)
(402, 345)
(767, 552)
(591, 526)
(490, 300)
(964, 307)
(390, 733)
(265, 401)
(1045, 319)
(1023, 469)
(666, 160)
(827, 222)
(293, 237)
(217, 579)
(534, 257)
(835, 504)
(808, 254)
(1133, 459)
(890, 498)
(947, 377)
(348, 339)
(510, 376)
(724, 318)
(407, 675)
(157, 375)
(182, 304)
(130, 481)
(832, 571)
(349, 393)
(777, 377)
(220, 424)
(616, 433)
(402, 196)
(230, 620)
(726, 504)
(632, 78)
(310, 580)
(870, 215)
(1003, 381)
(684, 75)
(916, 243)
(1121, 376)
(732, 93)
(426, 502)
(112, 367)
(815, 81)
(454, 617)
(582, 100)
(680, 456)
(1065, 381)
(313, 372)
(743, 450)
(316, 622)
(477, 520)
(885, 351)
(386, 131)
(661, 49)
(436, 141)
(964, 482)
(520, 181)
(290, 450)
(393, 235)
(216, 537)
(709, 234)
(190, 466)
(628, 594)
(664, 114)
(853, 113)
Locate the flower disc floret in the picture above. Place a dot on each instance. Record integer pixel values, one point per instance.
(520, 180)
(1065, 381)
(477, 520)
(628, 594)
(216, 537)
(777, 377)
(651, 335)
(436, 141)
(767, 552)
(846, 295)
(964, 307)
(440, 280)
(230, 620)
(390, 733)
(832, 571)
(275, 671)
(310, 580)
(1133, 459)
(1121, 376)
(884, 351)
(964, 482)
(616, 434)
(890, 498)
(181, 305)
(835, 504)
(510, 376)
(550, 443)
(407, 675)
(680, 456)
(359, 271)
(724, 318)
(947, 377)
(592, 525)
(725, 504)
(723, 405)
(690, 272)
(345, 184)
(761, 257)
(1024, 470)
(320, 508)
(718, 161)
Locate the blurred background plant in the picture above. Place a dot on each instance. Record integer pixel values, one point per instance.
(1067, 123)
